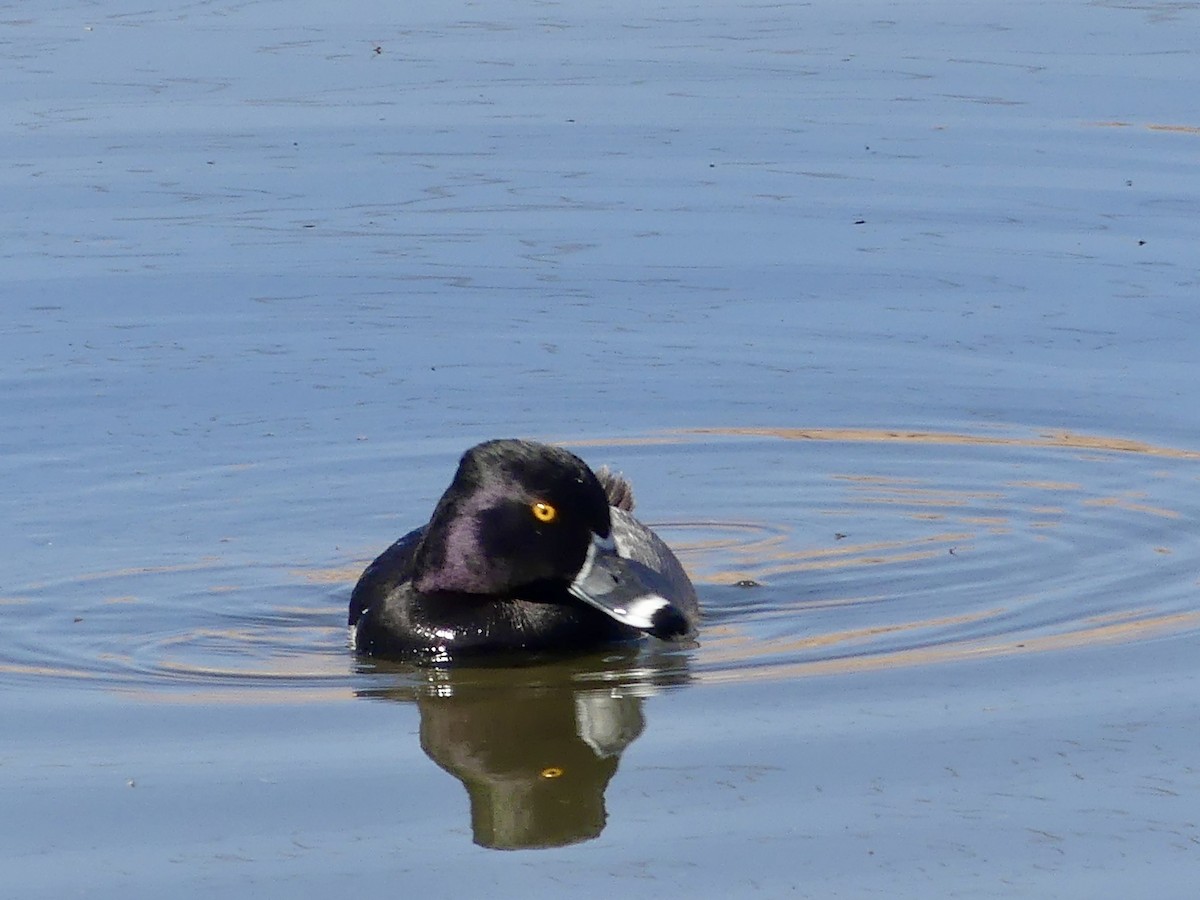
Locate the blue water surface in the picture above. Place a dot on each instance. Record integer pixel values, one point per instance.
(886, 308)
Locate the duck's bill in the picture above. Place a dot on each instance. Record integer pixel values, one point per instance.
(624, 589)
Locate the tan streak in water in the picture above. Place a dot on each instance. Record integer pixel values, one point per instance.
(935, 495)
(1124, 631)
(767, 572)
(810, 605)
(732, 545)
(339, 575)
(841, 550)
(206, 562)
(1062, 439)
(47, 671)
(875, 479)
(840, 556)
(753, 547)
(645, 441)
(1129, 505)
(1047, 485)
(849, 636)
(932, 498)
(253, 637)
(1150, 126)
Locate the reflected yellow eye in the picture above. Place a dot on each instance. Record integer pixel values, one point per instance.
(552, 772)
(544, 512)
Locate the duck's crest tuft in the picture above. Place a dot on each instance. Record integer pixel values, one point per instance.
(618, 489)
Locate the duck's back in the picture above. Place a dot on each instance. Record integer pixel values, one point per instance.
(382, 578)
(637, 542)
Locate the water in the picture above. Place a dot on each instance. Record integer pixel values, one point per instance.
(887, 312)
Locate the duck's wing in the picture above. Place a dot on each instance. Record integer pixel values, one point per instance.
(637, 542)
(392, 567)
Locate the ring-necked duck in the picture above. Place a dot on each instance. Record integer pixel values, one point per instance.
(527, 549)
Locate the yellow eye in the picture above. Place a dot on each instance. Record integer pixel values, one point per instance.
(552, 772)
(544, 512)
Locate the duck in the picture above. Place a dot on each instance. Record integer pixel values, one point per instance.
(528, 549)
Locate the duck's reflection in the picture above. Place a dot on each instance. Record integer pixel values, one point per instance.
(534, 745)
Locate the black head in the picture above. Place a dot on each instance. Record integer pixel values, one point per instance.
(516, 513)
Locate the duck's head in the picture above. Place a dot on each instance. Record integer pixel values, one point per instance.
(520, 513)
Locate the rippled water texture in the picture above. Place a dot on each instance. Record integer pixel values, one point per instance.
(839, 553)
(888, 310)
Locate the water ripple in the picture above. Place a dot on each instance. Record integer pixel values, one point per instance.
(829, 551)
(958, 546)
